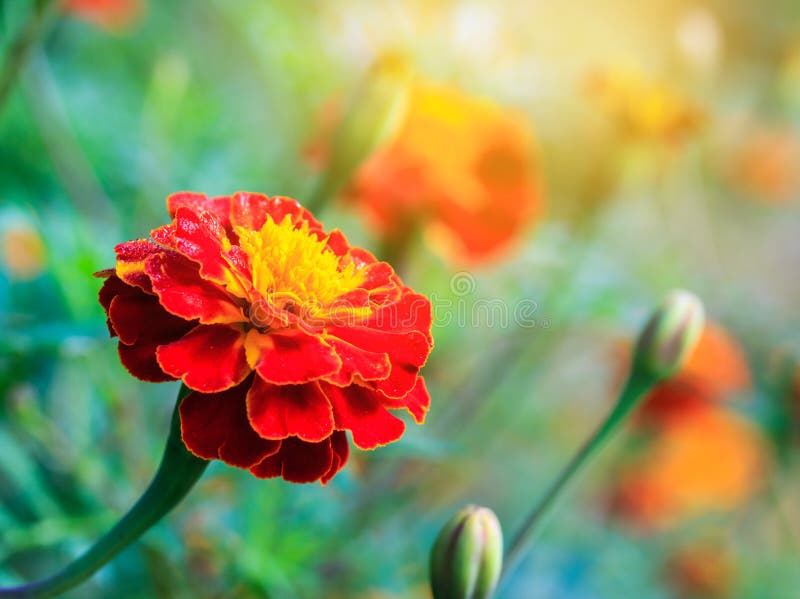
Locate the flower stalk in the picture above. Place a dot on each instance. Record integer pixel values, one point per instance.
(662, 348)
(178, 472)
(22, 45)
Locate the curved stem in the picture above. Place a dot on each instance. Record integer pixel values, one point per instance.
(177, 474)
(21, 46)
(635, 388)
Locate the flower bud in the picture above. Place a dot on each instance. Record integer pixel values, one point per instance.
(467, 557)
(375, 114)
(670, 335)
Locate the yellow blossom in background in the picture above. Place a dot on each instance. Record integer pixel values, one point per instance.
(641, 108)
(23, 252)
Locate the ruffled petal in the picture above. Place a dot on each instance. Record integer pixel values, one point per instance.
(281, 411)
(249, 210)
(139, 317)
(199, 202)
(142, 325)
(279, 206)
(215, 426)
(201, 237)
(290, 358)
(367, 365)
(131, 258)
(341, 452)
(407, 352)
(297, 461)
(209, 359)
(140, 360)
(417, 402)
(185, 293)
(360, 410)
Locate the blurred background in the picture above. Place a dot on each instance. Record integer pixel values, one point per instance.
(547, 171)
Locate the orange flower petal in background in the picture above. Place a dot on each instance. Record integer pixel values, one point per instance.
(711, 460)
(111, 15)
(286, 335)
(461, 169)
(767, 165)
(701, 570)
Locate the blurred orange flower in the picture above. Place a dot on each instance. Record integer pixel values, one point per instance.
(23, 252)
(698, 455)
(767, 166)
(111, 15)
(712, 460)
(641, 108)
(701, 570)
(461, 169)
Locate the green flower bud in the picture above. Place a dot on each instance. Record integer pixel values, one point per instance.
(467, 557)
(670, 335)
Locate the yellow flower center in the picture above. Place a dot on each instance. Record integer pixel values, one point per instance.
(293, 269)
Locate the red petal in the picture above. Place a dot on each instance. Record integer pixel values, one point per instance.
(209, 359)
(215, 426)
(407, 352)
(138, 316)
(369, 366)
(291, 358)
(278, 207)
(281, 411)
(199, 202)
(297, 461)
(360, 410)
(417, 402)
(142, 325)
(412, 312)
(111, 288)
(140, 360)
(249, 210)
(131, 257)
(184, 292)
(337, 243)
(341, 451)
(201, 237)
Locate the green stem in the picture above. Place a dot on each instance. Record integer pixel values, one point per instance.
(177, 474)
(21, 47)
(635, 388)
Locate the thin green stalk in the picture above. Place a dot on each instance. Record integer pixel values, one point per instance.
(177, 474)
(21, 47)
(635, 388)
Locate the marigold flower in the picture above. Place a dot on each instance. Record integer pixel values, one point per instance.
(112, 15)
(710, 460)
(459, 168)
(698, 455)
(286, 335)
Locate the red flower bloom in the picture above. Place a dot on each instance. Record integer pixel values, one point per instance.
(287, 336)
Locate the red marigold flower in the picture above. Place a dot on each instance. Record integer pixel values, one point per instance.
(287, 336)
(112, 15)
